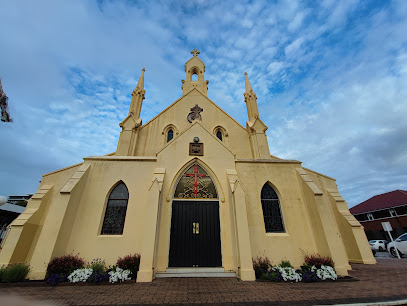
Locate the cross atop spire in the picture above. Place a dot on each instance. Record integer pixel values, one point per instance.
(247, 83)
(195, 52)
(140, 84)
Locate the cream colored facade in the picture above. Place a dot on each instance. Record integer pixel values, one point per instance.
(66, 214)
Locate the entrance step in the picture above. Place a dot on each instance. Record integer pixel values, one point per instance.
(195, 272)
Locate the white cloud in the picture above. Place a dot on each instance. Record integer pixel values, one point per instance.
(275, 67)
(294, 46)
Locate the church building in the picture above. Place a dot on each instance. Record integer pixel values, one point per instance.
(194, 192)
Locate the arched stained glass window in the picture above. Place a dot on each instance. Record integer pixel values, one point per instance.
(116, 208)
(273, 222)
(170, 135)
(219, 134)
(195, 183)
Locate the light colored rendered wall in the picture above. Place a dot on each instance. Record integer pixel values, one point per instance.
(151, 139)
(352, 238)
(26, 243)
(217, 158)
(351, 231)
(298, 236)
(85, 231)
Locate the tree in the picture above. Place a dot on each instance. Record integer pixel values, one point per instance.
(5, 116)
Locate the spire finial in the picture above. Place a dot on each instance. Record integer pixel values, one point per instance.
(140, 84)
(195, 52)
(248, 86)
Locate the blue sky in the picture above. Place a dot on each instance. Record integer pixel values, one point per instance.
(330, 77)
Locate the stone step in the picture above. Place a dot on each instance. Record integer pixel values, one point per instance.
(194, 272)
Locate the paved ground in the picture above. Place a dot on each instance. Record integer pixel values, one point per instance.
(382, 282)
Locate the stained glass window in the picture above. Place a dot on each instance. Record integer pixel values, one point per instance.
(195, 183)
(170, 135)
(116, 211)
(270, 203)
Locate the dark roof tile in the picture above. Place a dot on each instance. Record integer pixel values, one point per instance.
(381, 201)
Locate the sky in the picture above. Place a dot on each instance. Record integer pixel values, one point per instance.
(330, 78)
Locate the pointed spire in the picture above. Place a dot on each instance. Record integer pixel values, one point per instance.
(248, 86)
(140, 84)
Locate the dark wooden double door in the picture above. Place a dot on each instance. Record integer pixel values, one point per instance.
(195, 234)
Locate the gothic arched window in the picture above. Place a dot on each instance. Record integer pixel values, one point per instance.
(219, 134)
(273, 221)
(195, 183)
(116, 208)
(170, 135)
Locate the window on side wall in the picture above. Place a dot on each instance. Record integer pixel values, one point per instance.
(170, 135)
(116, 208)
(270, 203)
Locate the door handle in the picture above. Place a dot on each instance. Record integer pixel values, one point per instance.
(195, 228)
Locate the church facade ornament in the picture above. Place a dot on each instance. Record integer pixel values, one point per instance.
(195, 113)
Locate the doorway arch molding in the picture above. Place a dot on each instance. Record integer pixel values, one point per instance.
(184, 168)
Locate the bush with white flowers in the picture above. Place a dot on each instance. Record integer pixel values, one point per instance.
(288, 274)
(80, 275)
(119, 275)
(325, 272)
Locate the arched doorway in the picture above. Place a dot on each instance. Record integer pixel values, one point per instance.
(195, 226)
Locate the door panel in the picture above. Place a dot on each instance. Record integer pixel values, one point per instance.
(182, 250)
(189, 248)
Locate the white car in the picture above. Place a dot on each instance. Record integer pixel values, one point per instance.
(401, 245)
(378, 245)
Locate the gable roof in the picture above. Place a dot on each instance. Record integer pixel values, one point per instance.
(176, 101)
(381, 201)
(190, 127)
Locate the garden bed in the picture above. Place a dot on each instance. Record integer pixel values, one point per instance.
(42, 283)
(339, 279)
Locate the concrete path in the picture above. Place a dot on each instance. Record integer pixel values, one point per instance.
(386, 281)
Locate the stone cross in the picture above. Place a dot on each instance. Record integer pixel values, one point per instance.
(195, 113)
(195, 52)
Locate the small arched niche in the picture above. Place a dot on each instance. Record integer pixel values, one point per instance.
(170, 132)
(194, 74)
(220, 132)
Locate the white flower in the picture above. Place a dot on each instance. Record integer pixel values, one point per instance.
(80, 275)
(326, 272)
(119, 275)
(288, 274)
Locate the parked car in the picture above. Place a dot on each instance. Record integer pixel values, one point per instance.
(400, 243)
(378, 245)
(373, 250)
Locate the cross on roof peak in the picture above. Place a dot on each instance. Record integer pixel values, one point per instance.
(195, 52)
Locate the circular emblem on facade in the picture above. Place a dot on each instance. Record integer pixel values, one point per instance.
(196, 139)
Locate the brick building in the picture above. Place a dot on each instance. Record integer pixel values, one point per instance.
(390, 206)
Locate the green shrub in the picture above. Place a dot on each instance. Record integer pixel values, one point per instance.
(65, 265)
(97, 265)
(2, 268)
(286, 264)
(15, 273)
(130, 262)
